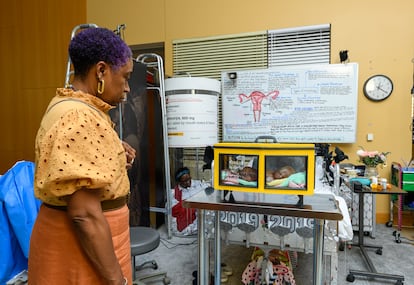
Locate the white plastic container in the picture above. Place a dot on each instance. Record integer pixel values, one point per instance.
(383, 183)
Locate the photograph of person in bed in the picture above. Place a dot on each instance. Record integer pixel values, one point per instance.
(247, 176)
(286, 176)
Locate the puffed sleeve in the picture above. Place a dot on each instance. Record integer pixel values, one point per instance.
(81, 150)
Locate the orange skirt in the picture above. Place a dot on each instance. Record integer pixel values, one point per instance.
(56, 257)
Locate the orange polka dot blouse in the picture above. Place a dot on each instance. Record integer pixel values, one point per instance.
(77, 147)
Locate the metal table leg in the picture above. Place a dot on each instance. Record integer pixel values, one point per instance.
(318, 236)
(217, 249)
(203, 257)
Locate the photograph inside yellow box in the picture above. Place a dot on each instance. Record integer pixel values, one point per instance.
(286, 177)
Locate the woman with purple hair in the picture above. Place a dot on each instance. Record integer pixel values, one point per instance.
(81, 235)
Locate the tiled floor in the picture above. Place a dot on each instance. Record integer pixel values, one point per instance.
(178, 256)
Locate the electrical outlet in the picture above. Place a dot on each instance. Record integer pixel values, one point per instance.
(370, 137)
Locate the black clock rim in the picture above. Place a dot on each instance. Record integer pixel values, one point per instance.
(374, 99)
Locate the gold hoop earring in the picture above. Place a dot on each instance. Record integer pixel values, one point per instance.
(101, 86)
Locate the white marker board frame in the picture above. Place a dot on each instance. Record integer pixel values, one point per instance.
(295, 104)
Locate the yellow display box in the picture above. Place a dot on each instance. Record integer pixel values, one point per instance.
(276, 168)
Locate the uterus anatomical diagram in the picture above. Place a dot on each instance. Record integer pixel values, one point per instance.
(256, 98)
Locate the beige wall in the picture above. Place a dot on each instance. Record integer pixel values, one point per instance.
(378, 34)
(144, 20)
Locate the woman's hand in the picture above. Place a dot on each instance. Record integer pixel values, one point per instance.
(130, 154)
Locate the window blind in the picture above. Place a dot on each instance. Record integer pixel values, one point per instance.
(302, 45)
(208, 57)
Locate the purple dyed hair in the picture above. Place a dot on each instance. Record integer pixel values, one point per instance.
(92, 45)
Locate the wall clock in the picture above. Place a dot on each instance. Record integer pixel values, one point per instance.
(378, 87)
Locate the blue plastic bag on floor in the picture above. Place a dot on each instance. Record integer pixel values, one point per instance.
(18, 212)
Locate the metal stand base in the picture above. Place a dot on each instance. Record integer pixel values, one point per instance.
(353, 273)
(372, 271)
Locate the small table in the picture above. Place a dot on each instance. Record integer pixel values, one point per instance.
(361, 190)
(320, 207)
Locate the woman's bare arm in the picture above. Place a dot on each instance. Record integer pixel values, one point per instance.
(92, 229)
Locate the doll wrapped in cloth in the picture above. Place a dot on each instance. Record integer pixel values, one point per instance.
(274, 269)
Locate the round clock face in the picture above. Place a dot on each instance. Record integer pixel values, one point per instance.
(378, 87)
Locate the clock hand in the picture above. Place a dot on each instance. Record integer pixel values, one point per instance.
(379, 88)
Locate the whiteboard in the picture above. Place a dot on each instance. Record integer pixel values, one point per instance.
(295, 104)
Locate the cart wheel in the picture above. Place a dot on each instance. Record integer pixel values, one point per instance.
(388, 224)
(379, 251)
(350, 278)
(154, 265)
(399, 282)
(397, 237)
(366, 234)
(394, 233)
(166, 281)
